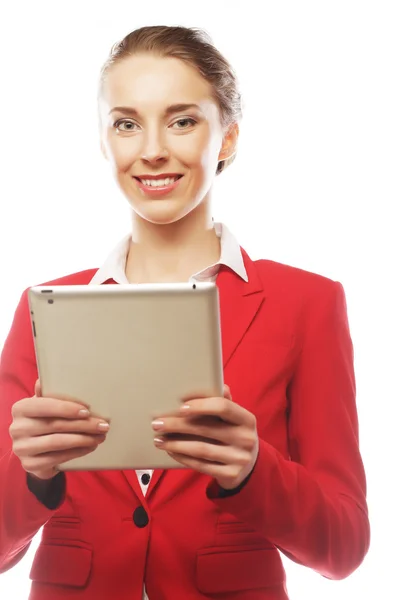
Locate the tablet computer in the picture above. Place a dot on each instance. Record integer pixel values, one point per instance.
(131, 353)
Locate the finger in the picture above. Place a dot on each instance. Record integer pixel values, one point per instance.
(49, 407)
(58, 442)
(227, 392)
(38, 389)
(213, 469)
(219, 407)
(218, 471)
(43, 462)
(190, 438)
(30, 427)
(203, 426)
(229, 477)
(212, 453)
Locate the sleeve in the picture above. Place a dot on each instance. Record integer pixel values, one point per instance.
(313, 507)
(22, 513)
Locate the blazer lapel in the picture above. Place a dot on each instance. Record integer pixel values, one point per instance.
(132, 478)
(239, 303)
(155, 478)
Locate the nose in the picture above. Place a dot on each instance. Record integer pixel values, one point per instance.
(154, 147)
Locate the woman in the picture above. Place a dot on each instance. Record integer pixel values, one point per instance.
(286, 473)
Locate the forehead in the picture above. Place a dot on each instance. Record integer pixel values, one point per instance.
(152, 82)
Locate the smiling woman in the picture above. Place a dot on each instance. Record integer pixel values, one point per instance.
(272, 466)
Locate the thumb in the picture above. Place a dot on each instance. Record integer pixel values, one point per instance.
(38, 389)
(227, 392)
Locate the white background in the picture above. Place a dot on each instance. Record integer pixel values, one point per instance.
(315, 185)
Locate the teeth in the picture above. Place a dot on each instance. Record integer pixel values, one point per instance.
(159, 182)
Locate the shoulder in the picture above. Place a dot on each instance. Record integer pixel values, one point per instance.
(313, 301)
(292, 277)
(304, 291)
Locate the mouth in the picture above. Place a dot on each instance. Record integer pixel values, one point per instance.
(158, 185)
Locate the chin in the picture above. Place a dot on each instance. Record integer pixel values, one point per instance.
(161, 212)
(162, 215)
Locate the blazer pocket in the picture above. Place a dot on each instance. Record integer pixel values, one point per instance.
(62, 564)
(234, 528)
(240, 568)
(229, 524)
(64, 522)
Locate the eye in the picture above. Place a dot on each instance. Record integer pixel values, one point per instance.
(185, 120)
(131, 124)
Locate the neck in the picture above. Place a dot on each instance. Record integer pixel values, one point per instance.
(172, 252)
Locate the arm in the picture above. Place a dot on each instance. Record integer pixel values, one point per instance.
(313, 507)
(22, 514)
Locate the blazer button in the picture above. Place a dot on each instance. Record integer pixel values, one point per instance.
(140, 517)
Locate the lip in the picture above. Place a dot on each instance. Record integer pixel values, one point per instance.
(157, 176)
(158, 191)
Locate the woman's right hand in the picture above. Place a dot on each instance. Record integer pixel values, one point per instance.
(46, 432)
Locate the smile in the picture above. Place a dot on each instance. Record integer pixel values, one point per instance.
(162, 185)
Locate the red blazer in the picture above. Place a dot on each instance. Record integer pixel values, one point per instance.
(288, 359)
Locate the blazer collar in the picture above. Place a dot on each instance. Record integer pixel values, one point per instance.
(239, 304)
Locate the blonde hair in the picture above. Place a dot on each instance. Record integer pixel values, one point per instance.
(193, 46)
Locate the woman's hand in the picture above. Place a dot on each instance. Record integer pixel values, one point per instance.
(48, 431)
(214, 436)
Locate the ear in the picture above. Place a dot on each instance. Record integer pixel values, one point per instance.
(229, 144)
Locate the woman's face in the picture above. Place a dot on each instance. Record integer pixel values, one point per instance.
(158, 118)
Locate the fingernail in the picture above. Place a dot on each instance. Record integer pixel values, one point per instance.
(84, 413)
(158, 441)
(157, 424)
(185, 407)
(103, 426)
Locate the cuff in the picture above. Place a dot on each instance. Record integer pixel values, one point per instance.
(51, 492)
(222, 493)
(247, 498)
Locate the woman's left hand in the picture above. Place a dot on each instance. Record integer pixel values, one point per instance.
(214, 436)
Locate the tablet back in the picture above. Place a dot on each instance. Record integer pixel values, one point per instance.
(131, 352)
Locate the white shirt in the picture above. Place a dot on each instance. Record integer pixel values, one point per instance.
(114, 268)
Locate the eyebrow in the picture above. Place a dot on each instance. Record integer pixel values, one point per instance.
(174, 108)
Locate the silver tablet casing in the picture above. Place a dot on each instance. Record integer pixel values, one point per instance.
(131, 353)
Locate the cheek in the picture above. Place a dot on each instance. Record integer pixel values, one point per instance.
(196, 152)
(122, 153)
(187, 149)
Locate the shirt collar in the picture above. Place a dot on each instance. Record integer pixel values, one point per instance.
(231, 256)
